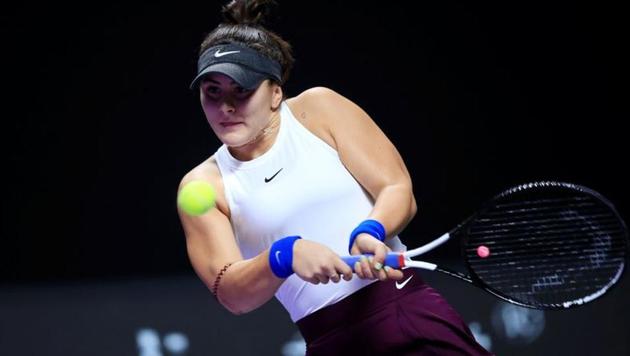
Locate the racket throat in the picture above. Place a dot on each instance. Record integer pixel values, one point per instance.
(421, 264)
(428, 247)
(454, 274)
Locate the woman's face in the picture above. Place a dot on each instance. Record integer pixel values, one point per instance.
(237, 115)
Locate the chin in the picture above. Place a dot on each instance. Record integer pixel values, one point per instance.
(234, 140)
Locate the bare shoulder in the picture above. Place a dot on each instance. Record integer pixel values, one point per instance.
(208, 171)
(319, 109)
(319, 100)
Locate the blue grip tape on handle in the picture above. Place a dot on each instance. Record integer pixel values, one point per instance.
(394, 260)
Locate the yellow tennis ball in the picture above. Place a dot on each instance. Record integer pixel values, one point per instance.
(196, 197)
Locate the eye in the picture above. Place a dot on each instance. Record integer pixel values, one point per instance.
(241, 92)
(212, 90)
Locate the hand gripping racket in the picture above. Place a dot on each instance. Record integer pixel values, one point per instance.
(543, 245)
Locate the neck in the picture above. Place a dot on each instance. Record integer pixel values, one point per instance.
(261, 143)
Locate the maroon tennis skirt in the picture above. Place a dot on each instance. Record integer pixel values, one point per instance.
(385, 319)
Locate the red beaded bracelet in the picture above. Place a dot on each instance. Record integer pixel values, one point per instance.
(217, 280)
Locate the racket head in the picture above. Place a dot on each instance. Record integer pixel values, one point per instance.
(551, 245)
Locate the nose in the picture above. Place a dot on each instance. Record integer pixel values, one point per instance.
(227, 105)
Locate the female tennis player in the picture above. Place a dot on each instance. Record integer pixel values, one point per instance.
(301, 181)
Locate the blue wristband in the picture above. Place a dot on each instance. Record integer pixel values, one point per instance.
(281, 256)
(371, 227)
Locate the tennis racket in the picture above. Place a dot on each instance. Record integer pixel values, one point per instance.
(543, 245)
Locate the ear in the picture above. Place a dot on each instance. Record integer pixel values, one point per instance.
(276, 97)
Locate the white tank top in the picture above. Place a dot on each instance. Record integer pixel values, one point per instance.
(298, 187)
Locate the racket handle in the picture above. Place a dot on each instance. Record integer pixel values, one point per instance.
(394, 260)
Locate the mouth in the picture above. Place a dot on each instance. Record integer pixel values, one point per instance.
(229, 124)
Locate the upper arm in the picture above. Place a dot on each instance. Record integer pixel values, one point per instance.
(363, 148)
(210, 239)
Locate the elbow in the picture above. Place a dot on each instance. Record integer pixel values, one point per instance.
(240, 306)
(235, 309)
(413, 209)
(237, 312)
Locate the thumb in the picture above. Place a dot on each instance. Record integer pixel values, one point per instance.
(379, 255)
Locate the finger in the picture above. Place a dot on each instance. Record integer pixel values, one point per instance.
(378, 273)
(364, 269)
(367, 268)
(381, 274)
(393, 273)
(358, 270)
(379, 256)
(331, 273)
(335, 278)
(323, 279)
(342, 268)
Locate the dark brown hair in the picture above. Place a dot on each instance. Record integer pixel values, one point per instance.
(243, 24)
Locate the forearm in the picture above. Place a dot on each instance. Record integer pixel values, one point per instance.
(248, 284)
(394, 207)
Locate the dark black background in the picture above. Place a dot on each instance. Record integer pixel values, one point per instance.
(99, 125)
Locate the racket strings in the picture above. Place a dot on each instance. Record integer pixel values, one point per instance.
(555, 261)
(582, 271)
(532, 233)
(553, 242)
(510, 223)
(549, 248)
(545, 202)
